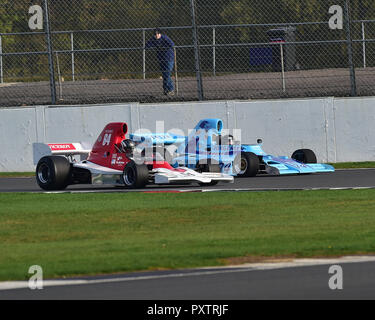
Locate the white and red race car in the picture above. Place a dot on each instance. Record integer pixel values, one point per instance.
(109, 162)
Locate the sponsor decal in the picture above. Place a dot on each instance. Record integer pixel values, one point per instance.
(160, 137)
(291, 163)
(225, 150)
(205, 125)
(226, 167)
(119, 161)
(58, 147)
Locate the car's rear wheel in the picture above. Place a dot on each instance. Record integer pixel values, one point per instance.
(135, 176)
(53, 173)
(247, 165)
(304, 156)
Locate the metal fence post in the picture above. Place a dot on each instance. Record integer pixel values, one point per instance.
(350, 50)
(176, 69)
(47, 30)
(73, 57)
(196, 52)
(1, 60)
(364, 44)
(144, 53)
(214, 50)
(282, 66)
(59, 76)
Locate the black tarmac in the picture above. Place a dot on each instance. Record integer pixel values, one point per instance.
(341, 179)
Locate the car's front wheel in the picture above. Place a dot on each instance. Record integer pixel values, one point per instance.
(135, 176)
(247, 165)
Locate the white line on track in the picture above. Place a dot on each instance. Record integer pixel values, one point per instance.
(204, 190)
(197, 272)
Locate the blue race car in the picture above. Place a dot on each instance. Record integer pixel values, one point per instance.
(207, 148)
(254, 160)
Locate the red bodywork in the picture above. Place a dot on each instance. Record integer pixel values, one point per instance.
(106, 154)
(104, 151)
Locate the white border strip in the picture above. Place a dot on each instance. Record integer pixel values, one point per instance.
(109, 190)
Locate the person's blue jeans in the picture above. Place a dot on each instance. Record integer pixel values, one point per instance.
(166, 70)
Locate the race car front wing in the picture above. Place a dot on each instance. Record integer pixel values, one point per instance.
(185, 175)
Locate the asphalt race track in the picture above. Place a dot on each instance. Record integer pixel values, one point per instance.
(340, 179)
(281, 282)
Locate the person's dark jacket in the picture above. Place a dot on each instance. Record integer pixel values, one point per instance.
(164, 47)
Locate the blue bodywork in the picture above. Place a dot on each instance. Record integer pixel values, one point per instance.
(204, 145)
(285, 165)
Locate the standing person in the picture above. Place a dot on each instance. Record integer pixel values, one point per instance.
(165, 54)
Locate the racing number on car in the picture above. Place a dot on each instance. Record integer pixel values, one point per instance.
(107, 139)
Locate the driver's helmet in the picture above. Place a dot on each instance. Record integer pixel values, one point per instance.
(127, 146)
(230, 140)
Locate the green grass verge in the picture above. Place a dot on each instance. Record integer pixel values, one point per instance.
(73, 234)
(16, 174)
(354, 165)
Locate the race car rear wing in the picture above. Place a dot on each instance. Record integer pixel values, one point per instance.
(64, 149)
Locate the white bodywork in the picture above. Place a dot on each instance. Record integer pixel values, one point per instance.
(164, 176)
(103, 175)
(81, 149)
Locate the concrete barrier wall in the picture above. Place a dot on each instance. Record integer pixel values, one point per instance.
(354, 121)
(337, 129)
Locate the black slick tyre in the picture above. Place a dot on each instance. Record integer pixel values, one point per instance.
(53, 173)
(247, 165)
(135, 176)
(304, 156)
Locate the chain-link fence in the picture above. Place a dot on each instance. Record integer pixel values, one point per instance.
(100, 51)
